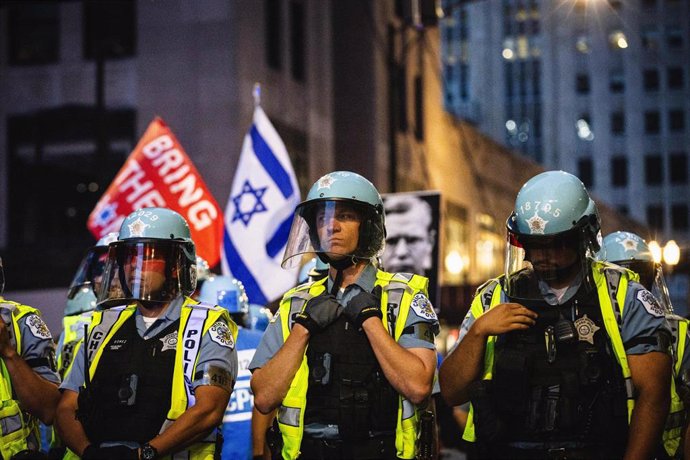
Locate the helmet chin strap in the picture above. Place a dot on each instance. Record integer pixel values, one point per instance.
(339, 265)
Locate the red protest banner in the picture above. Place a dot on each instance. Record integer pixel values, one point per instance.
(158, 173)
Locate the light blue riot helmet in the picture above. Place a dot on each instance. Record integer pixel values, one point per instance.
(89, 275)
(229, 293)
(82, 301)
(631, 251)
(154, 259)
(335, 196)
(259, 316)
(554, 227)
(313, 270)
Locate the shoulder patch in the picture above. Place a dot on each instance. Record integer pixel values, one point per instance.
(37, 327)
(650, 303)
(422, 307)
(220, 333)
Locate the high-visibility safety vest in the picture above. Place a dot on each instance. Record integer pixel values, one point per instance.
(195, 320)
(612, 285)
(16, 425)
(73, 331)
(398, 290)
(673, 430)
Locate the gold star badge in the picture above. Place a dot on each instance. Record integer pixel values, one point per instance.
(586, 329)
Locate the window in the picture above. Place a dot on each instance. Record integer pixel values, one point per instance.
(109, 29)
(676, 120)
(650, 38)
(616, 81)
(582, 83)
(678, 168)
(653, 173)
(297, 54)
(655, 217)
(623, 209)
(273, 33)
(648, 3)
(619, 171)
(650, 80)
(674, 37)
(617, 123)
(679, 217)
(585, 171)
(674, 77)
(34, 33)
(652, 122)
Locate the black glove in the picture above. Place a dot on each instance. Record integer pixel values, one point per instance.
(93, 452)
(319, 312)
(363, 306)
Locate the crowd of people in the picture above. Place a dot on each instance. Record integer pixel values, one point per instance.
(573, 352)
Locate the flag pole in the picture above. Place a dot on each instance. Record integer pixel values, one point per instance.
(257, 94)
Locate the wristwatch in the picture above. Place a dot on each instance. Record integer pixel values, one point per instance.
(148, 452)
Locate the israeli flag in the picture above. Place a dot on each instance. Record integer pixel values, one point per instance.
(259, 214)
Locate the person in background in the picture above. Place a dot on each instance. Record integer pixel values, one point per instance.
(29, 379)
(631, 251)
(155, 372)
(238, 438)
(349, 360)
(563, 356)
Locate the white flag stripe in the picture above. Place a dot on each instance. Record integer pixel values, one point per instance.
(262, 200)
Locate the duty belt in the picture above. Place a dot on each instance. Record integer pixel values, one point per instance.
(330, 449)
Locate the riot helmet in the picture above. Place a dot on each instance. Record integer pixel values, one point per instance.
(229, 293)
(631, 251)
(82, 300)
(154, 259)
(332, 200)
(552, 232)
(90, 271)
(259, 317)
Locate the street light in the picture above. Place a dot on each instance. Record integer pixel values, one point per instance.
(670, 254)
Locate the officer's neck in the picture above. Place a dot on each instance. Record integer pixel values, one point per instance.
(350, 274)
(152, 309)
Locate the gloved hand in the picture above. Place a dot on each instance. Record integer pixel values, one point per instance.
(363, 306)
(319, 312)
(94, 452)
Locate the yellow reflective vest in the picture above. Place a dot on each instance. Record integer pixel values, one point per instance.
(398, 290)
(612, 285)
(72, 333)
(195, 321)
(16, 425)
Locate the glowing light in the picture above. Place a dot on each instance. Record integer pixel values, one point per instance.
(655, 250)
(511, 126)
(583, 130)
(508, 53)
(671, 253)
(454, 263)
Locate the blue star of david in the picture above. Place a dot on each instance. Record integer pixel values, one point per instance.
(106, 215)
(259, 206)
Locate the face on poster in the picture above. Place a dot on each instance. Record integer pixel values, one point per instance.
(412, 222)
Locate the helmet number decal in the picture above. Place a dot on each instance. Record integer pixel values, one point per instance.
(546, 207)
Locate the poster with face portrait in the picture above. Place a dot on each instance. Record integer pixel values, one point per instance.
(412, 236)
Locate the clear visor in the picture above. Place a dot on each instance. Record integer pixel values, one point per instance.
(90, 271)
(331, 228)
(652, 278)
(145, 270)
(552, 259)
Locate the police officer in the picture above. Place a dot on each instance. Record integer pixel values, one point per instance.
(28, 379)
(348, 358)
(154, 374)
(229, 293)
(632, 252)
(81, 300)
(564, 356)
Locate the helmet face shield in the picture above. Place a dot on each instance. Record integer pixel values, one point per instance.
(90, 271)
(147, 270)
(651, 278)
(334, 229)
(551, 258)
